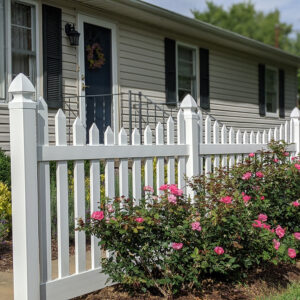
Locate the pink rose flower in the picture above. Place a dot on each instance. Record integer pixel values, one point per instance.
(247, 176)
(246, 198)
(280, 231)
(295, 203)
(262, 198)
(164, 187)
(226, 200)
(196, 226)
(257, 224)
(110, 208)
(251, 154)
(297, 235)
(259, 174)
(243, 194)
(292, 253)
(175, 190)
(139, 220)
(276, 160)
(276, 244)
(262, 217)
(172, 199)
(219, 250)
(286, 154)
(266, 226)
(177, 246)
(98, 215)
(148, 188)
(293, 158)
(297, 166)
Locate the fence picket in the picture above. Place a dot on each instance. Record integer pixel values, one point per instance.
(239, 157)
(79, 198)
(181, 141)
(207, 141)
(123, 167)
(160, 160)
(94, 195)
(224, 141)
(281, 133)
(216, 137)
(171, 160)
(62, 198)
(231, 141)
(245, 141)
(200, 129)
(44, 195)
(287, 131)
(109, 167)
(265, 137)
(276, 134)
(270, 135)
(148, 161)
(136, 170)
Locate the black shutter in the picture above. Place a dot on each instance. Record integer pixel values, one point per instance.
(261, 89)
(281, 94)
(170, 71)
(52, 56)
(204, 78)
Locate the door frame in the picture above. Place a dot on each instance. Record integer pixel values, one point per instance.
(114, 56)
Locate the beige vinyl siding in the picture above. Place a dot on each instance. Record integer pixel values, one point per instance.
(4, 127)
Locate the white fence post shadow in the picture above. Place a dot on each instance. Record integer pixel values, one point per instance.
(295, 120)
(191, 118)
(23, 145)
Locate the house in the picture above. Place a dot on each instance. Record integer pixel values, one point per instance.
(134, 62)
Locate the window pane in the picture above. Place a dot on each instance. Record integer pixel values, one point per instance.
(271, 90)
(22, 40)
(186, 72)
(2, 51)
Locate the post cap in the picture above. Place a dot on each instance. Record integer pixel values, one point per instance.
(188, 102)
(295, 113)
(21, 84)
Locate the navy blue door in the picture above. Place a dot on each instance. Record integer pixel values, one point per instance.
(98, 77)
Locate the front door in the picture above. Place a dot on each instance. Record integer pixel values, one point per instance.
(97, 77)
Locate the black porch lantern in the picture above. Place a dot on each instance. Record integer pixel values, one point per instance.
(72, 34)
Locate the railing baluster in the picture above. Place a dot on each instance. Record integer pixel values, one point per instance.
(130, 117)
(140, 116)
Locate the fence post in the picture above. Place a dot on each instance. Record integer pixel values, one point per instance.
(295, 119)
(23, 143)
(190, 116)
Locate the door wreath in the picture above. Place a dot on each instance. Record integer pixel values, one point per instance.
(95, 56)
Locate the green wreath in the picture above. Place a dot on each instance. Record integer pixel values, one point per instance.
(95, 56)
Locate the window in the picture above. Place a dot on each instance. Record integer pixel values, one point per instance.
(23, 40)
(186, 80)
(271, 90)
(2, 51)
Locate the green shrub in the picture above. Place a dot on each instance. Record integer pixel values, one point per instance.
(171, 244)
(5, 211)
(5, 168)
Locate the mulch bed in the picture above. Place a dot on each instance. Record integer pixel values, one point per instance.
(259, 282)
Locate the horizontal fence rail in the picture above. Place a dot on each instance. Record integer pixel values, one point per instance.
(64, 182)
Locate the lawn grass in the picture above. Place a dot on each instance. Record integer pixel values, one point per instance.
(291, 293)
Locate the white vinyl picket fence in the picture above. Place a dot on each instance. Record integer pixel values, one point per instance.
(200, 147)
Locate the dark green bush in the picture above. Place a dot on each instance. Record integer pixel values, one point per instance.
(5, 168)
(237, 222)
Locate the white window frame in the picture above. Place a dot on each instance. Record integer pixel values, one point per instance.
(178, 43)
(271, 114)
(35, 4)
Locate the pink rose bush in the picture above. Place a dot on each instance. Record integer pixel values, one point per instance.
(239, 219)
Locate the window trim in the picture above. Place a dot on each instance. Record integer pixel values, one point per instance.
(270, 114)
(36, 6)
(196, 48)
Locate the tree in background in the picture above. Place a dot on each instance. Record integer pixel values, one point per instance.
(243, 19)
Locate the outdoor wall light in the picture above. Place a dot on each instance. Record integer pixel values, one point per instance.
(72, 34)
